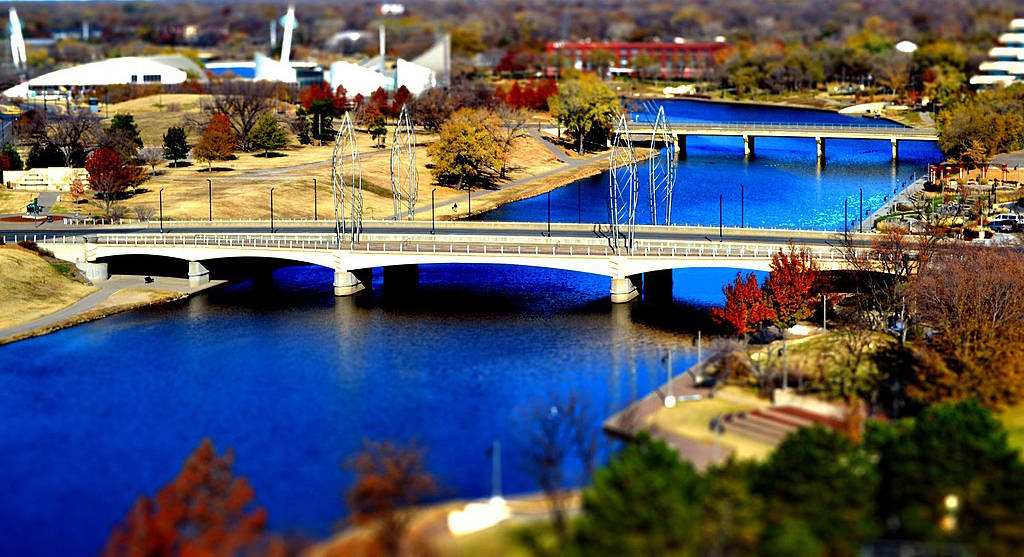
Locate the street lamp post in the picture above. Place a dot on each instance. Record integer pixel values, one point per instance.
(271, 210)
(860, 216)
(161, 209)
(579, 203)
(432, 210)
(314, 199)
(549, 213)
(719, 217)
(469, 212)
(209, 184)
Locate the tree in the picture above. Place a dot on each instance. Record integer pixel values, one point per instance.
(379, 100)
(826, 480)
(587, 109)
(513, 129)
(123, 135)
(9, 158)
(109, 175)
(175, 144)
(389, 480)
(466, 148)
(242, 102)
(378, 129)
(746, 309)
(301, 127)
(990, 123)
(72, 133)
(217, 142)
(399, 100)
(950, 449)
(268, 135)
(324, 105)
(45, 156)
(791, 283)
(971, 297)
(151, 156)
(205, 510)
(645, 502)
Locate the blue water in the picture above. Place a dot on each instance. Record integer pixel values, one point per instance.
(293, 378)
(783, 186)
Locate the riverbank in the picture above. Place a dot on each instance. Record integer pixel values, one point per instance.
(118, 294)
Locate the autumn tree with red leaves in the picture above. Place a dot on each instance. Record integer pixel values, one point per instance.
(204, 511)
(746, 309)
(380, 100)
(389, 480)
(792, 282)
(109, 175)
(400, 98)
(531, 94)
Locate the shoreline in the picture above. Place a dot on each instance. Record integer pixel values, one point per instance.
(158, 296)
(755, 103)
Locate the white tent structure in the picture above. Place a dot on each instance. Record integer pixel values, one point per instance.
(358, 80)
(128, 70)
(414, 77)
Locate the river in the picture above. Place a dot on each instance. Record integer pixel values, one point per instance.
(293, 379)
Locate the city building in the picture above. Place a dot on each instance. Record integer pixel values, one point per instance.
(677, 60)
(1006, 61)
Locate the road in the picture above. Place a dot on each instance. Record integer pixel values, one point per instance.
(475, 228)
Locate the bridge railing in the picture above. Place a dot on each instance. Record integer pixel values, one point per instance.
(576, 247)
(898, 131)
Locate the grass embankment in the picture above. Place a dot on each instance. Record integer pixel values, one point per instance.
(15, 201)
(693, 419)
(34, 287)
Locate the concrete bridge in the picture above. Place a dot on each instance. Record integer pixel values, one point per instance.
(819, 132)
(401, 246)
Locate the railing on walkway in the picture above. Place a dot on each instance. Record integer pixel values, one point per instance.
(570, 247)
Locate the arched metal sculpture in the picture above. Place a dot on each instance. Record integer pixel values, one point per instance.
(403, 167)
(661, 170)
(347, 182)
(623, 189)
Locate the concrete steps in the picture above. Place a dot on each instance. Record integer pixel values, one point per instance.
(772, 425)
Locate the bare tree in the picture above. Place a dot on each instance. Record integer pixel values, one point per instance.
(151, 156)
(243, 102)
(513, 129)
(73, 133)
(553, 432)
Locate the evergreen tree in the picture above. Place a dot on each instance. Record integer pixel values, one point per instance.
(302, 127)
(175, 144)
(268, 135)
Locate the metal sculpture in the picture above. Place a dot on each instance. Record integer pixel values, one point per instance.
(661, 170)
(347, 182)
(623, 189)
(403, 166)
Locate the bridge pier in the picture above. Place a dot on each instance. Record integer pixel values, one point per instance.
(657, 285)
(346, 283)
(748, 146)
(820, 143)
(623, 290)
(895, 149)
(681, 146)
(198, 275)
(93, 271)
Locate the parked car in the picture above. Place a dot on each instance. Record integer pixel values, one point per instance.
(1006, 222)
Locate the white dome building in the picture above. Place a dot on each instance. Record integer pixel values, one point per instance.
(128, 70)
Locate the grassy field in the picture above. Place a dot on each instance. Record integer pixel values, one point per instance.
(14, 201)
(691, 420)
(32, 287)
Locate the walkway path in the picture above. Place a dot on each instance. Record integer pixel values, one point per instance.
(107, 289)
(890, 205)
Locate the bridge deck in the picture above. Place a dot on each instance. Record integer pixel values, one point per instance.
(762, 129)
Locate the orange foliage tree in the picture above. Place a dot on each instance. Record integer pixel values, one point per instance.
(389, 479)
(204, 512)
(746, 309)
(217, 142)
(792, 282)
